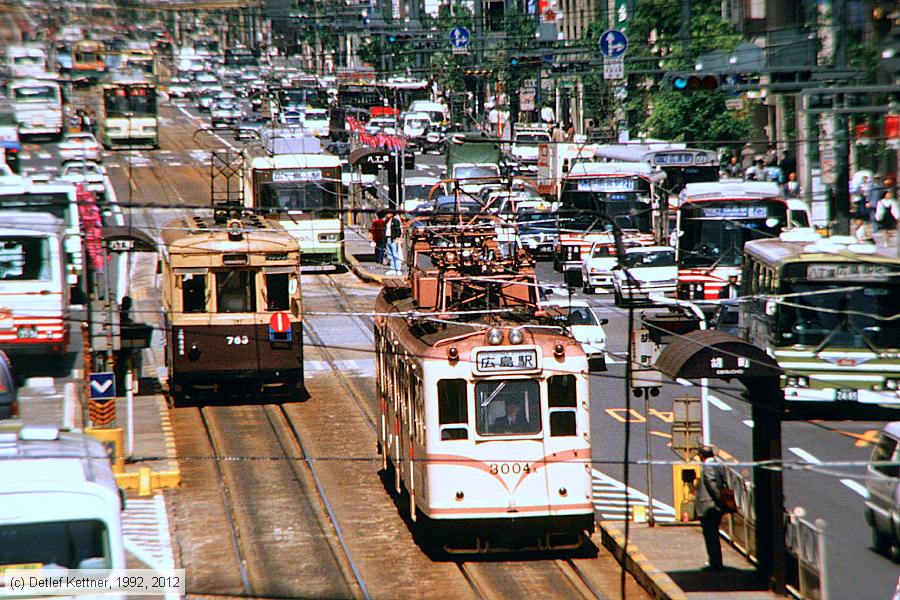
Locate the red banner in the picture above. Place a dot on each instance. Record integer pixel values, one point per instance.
(92, 225)
(377, 140)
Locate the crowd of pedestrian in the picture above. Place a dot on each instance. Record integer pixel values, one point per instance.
(386, 233)
(874, 208)
(751, 167)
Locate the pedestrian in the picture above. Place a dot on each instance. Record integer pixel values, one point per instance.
(792, 186)
(730, 290)
(376, 232)
(788, 163)
(393, 233)
(570, 133)
(733, 168)
(708, 505)
(887, 213)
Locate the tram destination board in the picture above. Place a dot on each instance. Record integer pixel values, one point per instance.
(497, 360)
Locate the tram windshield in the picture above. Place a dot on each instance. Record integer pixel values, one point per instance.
(853, 313)
(25, 258)
(297, 195)
(508, 407)
(127, 101)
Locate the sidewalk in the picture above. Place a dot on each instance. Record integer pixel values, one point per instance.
(667, 561)
(361, 256)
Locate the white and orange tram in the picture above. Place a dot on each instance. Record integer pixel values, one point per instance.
(484, 414)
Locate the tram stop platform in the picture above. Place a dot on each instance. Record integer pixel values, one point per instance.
(667, 560)
(361, 256)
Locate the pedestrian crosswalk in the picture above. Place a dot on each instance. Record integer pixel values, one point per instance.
(358, 366)
(145, 526)
(611, 496)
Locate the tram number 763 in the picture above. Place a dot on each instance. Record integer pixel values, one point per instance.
(237, 340)
(507, 468)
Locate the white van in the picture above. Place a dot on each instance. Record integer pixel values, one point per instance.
(883, 485)
(61, 506)
(35, 314)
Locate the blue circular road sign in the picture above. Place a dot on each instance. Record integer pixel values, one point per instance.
(613, 43)
(459, 37)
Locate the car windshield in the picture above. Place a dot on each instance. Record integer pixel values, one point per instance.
(581, 315)
(68, 544)
(36, 93)
(660, 258)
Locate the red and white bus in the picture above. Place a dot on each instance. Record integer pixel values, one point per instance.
(713, 221)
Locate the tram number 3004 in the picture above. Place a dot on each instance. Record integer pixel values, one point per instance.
(237, 340)
(507, 468)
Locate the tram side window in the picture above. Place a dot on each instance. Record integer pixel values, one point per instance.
(236, 291)
(453, 408)
(563, 401)
(193, 293)
(277, 296)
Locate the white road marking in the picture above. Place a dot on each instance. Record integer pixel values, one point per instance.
(748, 423)
(803, 454)
(856, 487)
(715, 401)
(609, 499)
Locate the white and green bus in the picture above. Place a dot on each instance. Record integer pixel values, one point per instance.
(828, 310)
(129, 117)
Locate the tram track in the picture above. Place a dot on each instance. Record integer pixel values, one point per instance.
(256, 448)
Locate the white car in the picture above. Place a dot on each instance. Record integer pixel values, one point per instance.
(597, 266)
(315, 121)
(86, 172)
(648, 270)
(80, 145)
(586, 328)
(386, 125)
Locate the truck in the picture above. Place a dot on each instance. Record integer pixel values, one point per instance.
(554, 162)
(473, 161)
(37, 105)
(62, 508)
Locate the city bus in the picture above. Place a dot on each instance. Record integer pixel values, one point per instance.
(138, 57)
(298, 185)
(824, 308)
(682, 165)
(37, 105)
(629, 193)
(26, 60)
(88, 61)
(401, 92)
(713, 222)
(128, 117)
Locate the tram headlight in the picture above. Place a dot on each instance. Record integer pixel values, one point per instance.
(460, 495)
(452, 354)
(890, 384)
(495, 337)
(516, 335)
(328, 237)
(563, 492)
(559, 350)
(797, 381)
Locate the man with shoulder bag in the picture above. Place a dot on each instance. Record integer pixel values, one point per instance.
(713, 498)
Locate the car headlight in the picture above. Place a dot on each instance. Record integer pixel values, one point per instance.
(796, 381)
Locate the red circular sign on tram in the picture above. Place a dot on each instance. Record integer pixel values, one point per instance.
(280, 322)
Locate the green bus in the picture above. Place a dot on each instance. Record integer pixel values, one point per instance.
(828, 310)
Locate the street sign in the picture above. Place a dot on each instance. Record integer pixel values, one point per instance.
(459, 37)
(103, 385)
(280, 322)
(613, 68)
(613, 43)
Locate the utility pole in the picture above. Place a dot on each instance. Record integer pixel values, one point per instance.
(685, 31)
(841, 196)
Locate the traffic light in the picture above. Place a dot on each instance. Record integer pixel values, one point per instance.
(692, 81)
(518, 60)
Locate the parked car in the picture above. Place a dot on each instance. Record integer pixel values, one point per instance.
(9, 398)
(883, 484)
(586, 328)
(647, 270)
(81, 145)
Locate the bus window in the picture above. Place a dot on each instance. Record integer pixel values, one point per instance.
(236, 291)
(561, 395)
(193, 293)
(277, 297)
(453, 408)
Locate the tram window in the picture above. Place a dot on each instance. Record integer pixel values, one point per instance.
(193, 293)
(277, 296)
(561, 390)
(452, 405)
(236, 291)
(562, 423)
(507, 407)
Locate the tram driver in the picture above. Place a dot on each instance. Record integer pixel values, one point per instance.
(511, 422)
